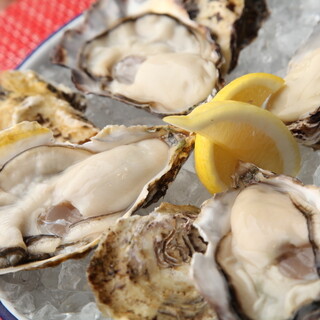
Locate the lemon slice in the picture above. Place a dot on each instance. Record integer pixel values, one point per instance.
(242, 132)
(253, 88)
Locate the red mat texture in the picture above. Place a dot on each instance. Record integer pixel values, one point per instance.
(26, 23)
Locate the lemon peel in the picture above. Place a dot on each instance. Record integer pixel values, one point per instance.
(253, 88)
(215, 174)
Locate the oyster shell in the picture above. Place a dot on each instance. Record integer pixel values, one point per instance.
(298, 103)
(234, 24)
(56, 200)
(141, 267)
(24, 96)
(22, 136)
(167, 70)
(263, 249)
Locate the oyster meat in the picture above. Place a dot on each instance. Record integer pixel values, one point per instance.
(298, 103)
(167, 69)
(57, 199)
(141, 267)
(233, 24)
(262, 259)
(24, 96)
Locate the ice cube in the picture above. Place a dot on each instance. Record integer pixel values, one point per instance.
(73, 276)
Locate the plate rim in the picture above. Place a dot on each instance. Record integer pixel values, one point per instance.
(9, 307)
(32, 56)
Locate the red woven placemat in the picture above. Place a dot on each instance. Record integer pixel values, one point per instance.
(26, 23)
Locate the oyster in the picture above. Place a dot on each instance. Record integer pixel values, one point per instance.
(166, 69)
(234, 24)
(56, 200)
(24, 96)
(298, 103)
(262, 259)
(141, 267)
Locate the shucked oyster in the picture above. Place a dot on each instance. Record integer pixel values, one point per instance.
(24, 96)
(233, 23)
(141, 267)
(298, 103)
(262, 260)
(153, 61)
(56, 200)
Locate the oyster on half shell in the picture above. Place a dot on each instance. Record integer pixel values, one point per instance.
(153, 61)
(24, 96)
(57, 199)
(298, 103)
(262, 259)
(141, 268)
(232, 23)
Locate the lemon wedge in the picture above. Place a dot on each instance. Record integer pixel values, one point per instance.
(231, 131)
(214, 163)
(253, 88)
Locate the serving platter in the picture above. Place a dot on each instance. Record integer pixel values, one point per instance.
(50, 293)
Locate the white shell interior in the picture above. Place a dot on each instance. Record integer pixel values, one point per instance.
(157, 60)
